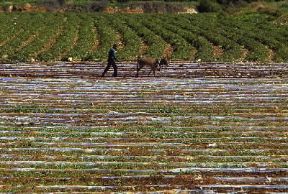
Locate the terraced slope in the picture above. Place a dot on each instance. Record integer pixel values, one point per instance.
(196, 127)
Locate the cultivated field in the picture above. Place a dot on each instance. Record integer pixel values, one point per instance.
(30, 37)
(195, 127)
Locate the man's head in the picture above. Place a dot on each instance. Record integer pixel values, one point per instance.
(114, 46)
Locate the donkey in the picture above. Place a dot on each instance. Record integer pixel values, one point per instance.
(154, 64)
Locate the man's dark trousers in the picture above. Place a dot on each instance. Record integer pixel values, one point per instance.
(113, 64)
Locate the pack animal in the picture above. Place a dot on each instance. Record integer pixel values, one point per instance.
(153, 63)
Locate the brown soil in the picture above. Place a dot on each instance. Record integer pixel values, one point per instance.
(27, 42)
(167, 53)
(96, 43)
(217, 51)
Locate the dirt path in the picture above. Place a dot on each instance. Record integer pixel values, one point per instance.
(127, 69)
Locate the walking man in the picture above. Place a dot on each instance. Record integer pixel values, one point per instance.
(111, 61)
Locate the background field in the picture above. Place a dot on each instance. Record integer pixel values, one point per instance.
(29, 37)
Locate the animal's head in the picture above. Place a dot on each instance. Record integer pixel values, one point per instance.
(157, 64)
(163, 62)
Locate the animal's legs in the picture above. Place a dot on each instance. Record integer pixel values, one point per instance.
(138, 69)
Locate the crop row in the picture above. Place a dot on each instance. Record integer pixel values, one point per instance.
(14, 34)
(50, 37)
(65, 42)
(155, 43)
(210, 35)
(202, 45)
(41, 41)
(72, 134)
(131, 41)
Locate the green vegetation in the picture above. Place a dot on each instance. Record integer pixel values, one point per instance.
(27, 37)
